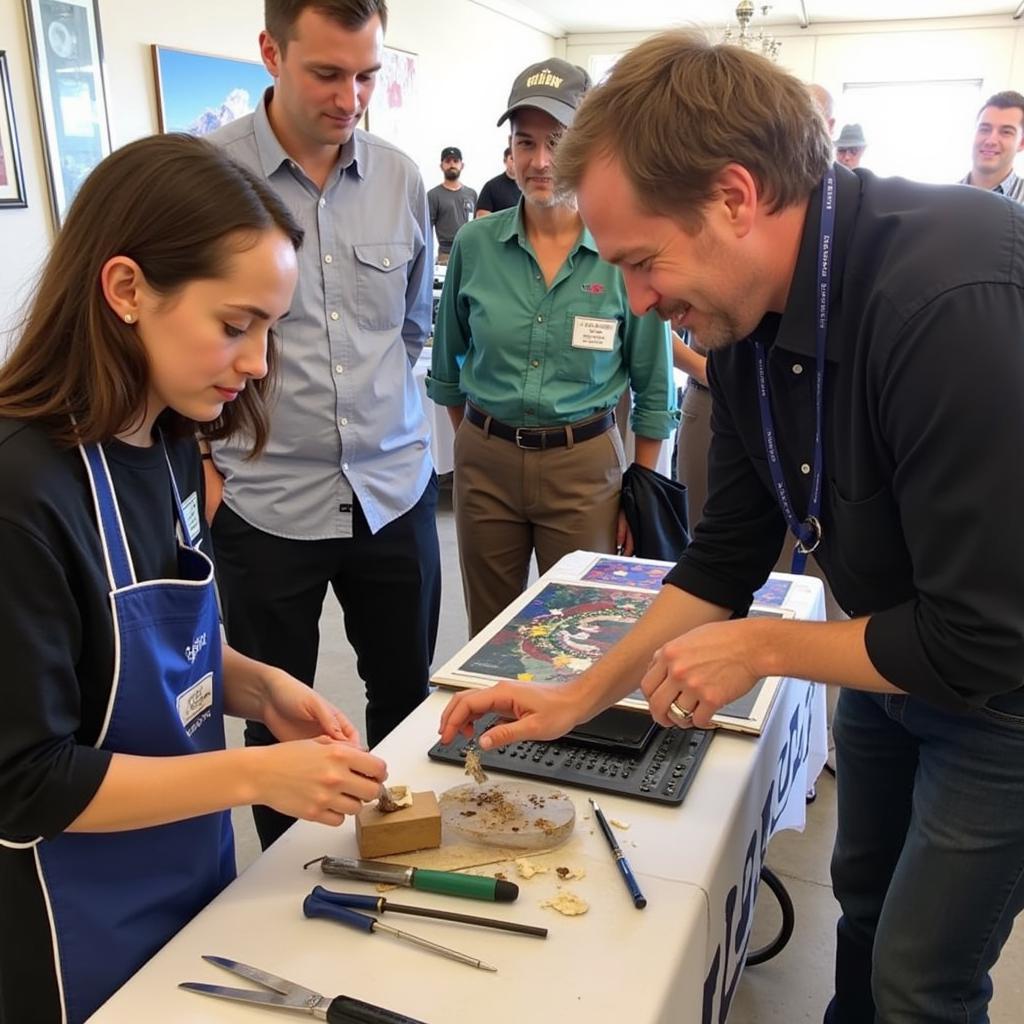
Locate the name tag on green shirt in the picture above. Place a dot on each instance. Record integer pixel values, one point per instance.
(596, 333)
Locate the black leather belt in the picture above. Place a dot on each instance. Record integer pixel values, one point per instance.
(539, 438)
(694, 383)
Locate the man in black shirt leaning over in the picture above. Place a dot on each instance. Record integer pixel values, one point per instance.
(701, 171)
(501, 191)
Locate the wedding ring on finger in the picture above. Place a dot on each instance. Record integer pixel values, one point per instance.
(680, 715)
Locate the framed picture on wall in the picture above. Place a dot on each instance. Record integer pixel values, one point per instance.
(392, 110)
(67, 58)
(198, 92)
(12, 179)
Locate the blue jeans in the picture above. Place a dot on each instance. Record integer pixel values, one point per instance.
(928, 864)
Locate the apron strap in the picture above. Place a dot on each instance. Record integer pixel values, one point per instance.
(120, 570)
(186, 535)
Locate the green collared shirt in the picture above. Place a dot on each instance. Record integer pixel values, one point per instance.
(505, 341)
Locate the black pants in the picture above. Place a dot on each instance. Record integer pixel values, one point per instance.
(388, 585)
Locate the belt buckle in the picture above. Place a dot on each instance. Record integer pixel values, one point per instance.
(519, 439)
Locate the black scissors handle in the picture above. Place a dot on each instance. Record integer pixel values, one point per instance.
(346, 1010)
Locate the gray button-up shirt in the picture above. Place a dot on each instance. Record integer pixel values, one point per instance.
(1011, 186)
(347, 415)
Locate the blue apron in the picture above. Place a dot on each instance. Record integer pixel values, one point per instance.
(114, 899)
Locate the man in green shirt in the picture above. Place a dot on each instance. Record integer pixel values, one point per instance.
(535, 344)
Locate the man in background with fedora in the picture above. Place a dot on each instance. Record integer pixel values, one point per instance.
(850, 145)
(451, 203)
(534, 346)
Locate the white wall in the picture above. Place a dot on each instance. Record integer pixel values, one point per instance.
(927, 135)
(24, 234)
(988, 48)
(468, 56)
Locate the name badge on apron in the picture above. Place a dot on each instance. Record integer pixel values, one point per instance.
(595, 333)
(190, 506)
(195, 703)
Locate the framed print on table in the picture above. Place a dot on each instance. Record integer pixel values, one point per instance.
(12, 179)
(67, 58)
(198, 92)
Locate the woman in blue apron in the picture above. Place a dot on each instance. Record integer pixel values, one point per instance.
(151, 324)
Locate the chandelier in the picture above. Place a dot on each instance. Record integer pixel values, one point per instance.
(759, 42)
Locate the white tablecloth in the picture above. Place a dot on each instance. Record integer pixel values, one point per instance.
(672, 963)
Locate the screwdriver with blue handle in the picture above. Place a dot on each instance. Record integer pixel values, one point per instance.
(319, 904)
(361, 901)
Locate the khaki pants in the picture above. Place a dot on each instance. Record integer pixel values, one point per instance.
(510, 503)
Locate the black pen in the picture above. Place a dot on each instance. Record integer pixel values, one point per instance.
(639, 900)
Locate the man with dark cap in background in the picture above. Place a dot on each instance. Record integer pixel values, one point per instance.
(451, 203)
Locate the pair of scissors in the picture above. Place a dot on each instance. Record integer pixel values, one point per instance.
(286, 995)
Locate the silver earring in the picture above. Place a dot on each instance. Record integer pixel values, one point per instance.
(129, 318)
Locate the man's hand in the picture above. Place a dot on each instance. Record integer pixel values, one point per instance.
(539, 712)
(703, 670)
(624, 537)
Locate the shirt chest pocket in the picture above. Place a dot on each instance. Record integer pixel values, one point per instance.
(590, 351)
(382, 273)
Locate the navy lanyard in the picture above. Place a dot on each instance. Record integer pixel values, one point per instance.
(807, 531)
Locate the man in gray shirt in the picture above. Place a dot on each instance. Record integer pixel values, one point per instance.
(345, 493)
(451, 203)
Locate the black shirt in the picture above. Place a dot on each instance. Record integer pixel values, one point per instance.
(924, 428)
(56, 635)
(499, 193)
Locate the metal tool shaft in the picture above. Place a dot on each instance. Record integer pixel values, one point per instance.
(383, 906)
(451, 954)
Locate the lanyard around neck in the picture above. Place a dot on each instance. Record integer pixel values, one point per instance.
(808, 530)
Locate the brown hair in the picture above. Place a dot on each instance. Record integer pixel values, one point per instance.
(280, 16)
(1005, 100)
(679, 109)
(180, 209)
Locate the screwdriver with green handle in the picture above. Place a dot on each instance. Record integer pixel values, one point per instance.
(450, 883)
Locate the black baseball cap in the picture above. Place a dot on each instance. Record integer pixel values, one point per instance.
(554, 86)
(451, 153)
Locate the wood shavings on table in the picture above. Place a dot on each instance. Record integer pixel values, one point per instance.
(567, 903)
(527, 869)
(570, 874)
(624, 825)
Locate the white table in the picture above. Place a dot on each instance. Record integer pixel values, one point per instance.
(698, 865)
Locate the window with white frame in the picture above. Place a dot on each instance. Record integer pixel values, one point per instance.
(920, 130)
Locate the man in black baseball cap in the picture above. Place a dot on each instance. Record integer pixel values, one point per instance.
(554, 86)
(451, 203)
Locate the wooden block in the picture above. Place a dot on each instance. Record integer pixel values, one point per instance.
(417, 827)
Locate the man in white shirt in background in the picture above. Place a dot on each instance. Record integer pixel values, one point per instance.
(998, 138)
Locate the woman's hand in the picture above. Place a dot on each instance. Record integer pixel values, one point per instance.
(318, 779)
(293, 711)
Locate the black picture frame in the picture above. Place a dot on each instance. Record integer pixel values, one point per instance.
(67, 63)
(12, 175)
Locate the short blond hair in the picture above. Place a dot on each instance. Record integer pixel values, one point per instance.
(678, 109)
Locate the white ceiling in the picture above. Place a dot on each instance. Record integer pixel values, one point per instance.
(562, 17)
